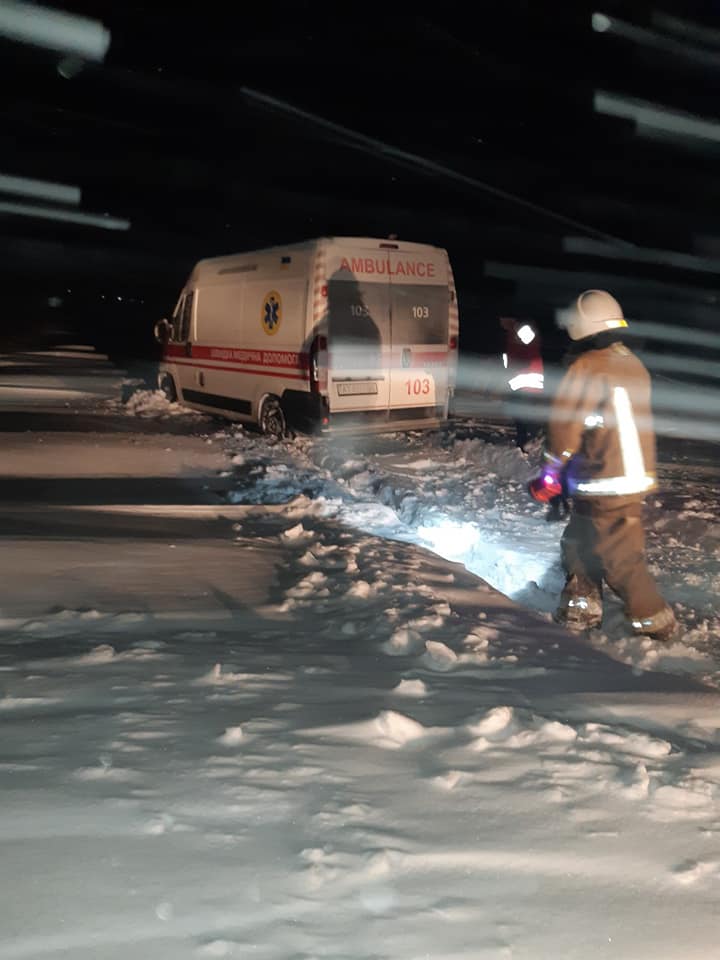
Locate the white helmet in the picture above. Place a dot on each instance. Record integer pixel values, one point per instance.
(593, 312)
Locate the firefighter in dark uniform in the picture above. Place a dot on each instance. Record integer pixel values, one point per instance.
(601, 436)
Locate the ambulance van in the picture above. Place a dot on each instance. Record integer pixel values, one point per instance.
(333, 334)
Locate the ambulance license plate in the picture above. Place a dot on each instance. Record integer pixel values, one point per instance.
(355, 388)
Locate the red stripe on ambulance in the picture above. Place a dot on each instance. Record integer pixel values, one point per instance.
(286, 359)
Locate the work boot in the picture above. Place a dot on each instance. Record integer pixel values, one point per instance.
(580, 606)
(661, 626)
(557, 509)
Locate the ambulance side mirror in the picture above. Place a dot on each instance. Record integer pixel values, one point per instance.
(161, 331)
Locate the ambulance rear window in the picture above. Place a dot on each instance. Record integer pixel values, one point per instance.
(420, 313)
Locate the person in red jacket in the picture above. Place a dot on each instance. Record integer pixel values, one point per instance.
(524, 375)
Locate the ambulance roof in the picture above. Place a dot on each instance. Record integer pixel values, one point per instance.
(213, 264)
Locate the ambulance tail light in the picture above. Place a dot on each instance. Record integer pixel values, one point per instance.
(453, 343)
(318, 375)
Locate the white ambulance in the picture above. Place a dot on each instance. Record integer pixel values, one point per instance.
(333, 334)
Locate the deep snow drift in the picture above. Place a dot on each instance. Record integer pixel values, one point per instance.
(251, 711)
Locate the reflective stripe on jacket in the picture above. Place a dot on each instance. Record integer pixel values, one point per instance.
(601, 426)
(527, 376)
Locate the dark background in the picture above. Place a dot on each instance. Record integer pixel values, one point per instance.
(216, 129)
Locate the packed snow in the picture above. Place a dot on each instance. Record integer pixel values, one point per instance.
(305, 699)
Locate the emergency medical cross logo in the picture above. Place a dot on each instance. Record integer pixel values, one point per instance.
(271, 313)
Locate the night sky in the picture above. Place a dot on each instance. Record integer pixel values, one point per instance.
(548, 146)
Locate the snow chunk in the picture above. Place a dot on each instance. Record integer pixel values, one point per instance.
(313, 583)
(91, 615)
(101, 654)
(442, 609)
(681, 799)
(480, 637)
(361, 589)
(636, 743)
(216, 677)
(389, 730)
(559, 732)
(438, 656)
(496, 723)
(164, 910)
(15, 703)
(403, 641)
(308, 559)
(323, 550)
(639, 786)
(296, 533)
(410, 688)
(217, 948)
(422, 465)
(232, 737)
(396, 729)
(154, 403)
(449, 780)
(107, 772)
(427, 623)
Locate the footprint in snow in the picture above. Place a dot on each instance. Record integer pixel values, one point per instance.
(218, 948)
(691, 871)
(149, 734)
(107, 773)
(448, 781)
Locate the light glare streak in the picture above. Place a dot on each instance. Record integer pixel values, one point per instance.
(679, 408)
(649, 117)
(699, 33)
(40, 189)
(686, 261)
(601, 23)
(54, 30)
(66, 216)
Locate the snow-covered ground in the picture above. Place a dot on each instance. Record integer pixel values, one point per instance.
(305, 699)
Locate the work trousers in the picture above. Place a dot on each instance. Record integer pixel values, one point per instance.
(607, 542)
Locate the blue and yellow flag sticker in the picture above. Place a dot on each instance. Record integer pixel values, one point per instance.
(271, 313)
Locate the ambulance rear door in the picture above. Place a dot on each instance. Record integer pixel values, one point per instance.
(419, 329)
(358, 332)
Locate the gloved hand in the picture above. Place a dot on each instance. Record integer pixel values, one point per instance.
(545, 485)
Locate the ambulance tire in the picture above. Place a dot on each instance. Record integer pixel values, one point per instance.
(167, 385)
(272, 419)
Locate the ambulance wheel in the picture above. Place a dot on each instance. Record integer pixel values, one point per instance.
(167, 385)
(272, 418)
